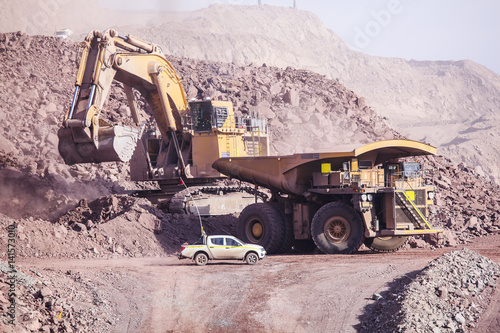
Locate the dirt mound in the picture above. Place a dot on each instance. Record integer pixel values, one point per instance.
(55, 302)
(302, 107)
(103, 209)
(306, 112)
(448, 295)
(466, 204)
(109, 227)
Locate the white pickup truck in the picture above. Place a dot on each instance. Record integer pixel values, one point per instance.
(222, 247)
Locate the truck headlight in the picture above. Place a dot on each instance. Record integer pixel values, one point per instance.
(430, 195)
(366, 197)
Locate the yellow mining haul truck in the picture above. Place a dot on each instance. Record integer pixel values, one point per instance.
(340, 200)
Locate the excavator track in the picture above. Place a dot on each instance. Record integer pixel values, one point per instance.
(182, 200)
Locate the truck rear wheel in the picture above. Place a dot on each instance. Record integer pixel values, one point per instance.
(386, 244)
(201, 259)
(337, 228)
(262, 224)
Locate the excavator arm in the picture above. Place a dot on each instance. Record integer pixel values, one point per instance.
(107, 56)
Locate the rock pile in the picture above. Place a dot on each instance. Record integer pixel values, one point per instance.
(128, 227)
(466, 204)
(448, 295)
(36, 76)
(53, 302)
(36, 83)
(306, 112)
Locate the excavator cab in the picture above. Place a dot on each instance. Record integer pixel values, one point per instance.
(204, 116)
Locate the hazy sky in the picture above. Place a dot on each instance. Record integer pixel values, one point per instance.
(409, 29)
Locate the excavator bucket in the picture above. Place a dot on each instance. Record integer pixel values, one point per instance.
(116, 144)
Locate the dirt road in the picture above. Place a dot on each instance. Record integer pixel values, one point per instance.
(293, 293)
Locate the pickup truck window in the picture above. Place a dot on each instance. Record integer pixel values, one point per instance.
(218, 241)
(232, 242)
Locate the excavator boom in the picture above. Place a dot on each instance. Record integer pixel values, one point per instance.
(107, 56)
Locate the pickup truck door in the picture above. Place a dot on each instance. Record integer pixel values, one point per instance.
(216, 247)
(234, 249)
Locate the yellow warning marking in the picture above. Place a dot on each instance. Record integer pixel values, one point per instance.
(416, 209)
(423, 231)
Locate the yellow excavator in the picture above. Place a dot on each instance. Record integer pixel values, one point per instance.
(187, 138)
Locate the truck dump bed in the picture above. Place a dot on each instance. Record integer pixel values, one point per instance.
(292, 174)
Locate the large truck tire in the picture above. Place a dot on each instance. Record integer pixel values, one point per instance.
(288, 238)
(337, 229)
(263, 224)
(386, 244)
(287, 242)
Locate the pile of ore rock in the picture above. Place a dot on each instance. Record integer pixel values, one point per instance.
(110, 227)
(466, 204)
(49, 301)
(448, 295)
(305, 111)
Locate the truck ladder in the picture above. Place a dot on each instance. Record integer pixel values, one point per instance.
(410, 207)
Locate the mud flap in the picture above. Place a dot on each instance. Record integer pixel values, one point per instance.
(116, 144)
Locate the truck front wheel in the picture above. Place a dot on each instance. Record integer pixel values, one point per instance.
(262, 224)
(337, 228)
(386, 244)
(252, 258)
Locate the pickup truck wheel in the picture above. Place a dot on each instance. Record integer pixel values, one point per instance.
(201, 259)
(252, 258)
(337, 228)
(262, 224)
(386, 244)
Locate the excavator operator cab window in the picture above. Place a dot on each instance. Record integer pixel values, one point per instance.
(202, 116)
(221, 114)
(205, 116)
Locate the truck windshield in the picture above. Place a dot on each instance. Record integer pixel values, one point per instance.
(411, 169)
